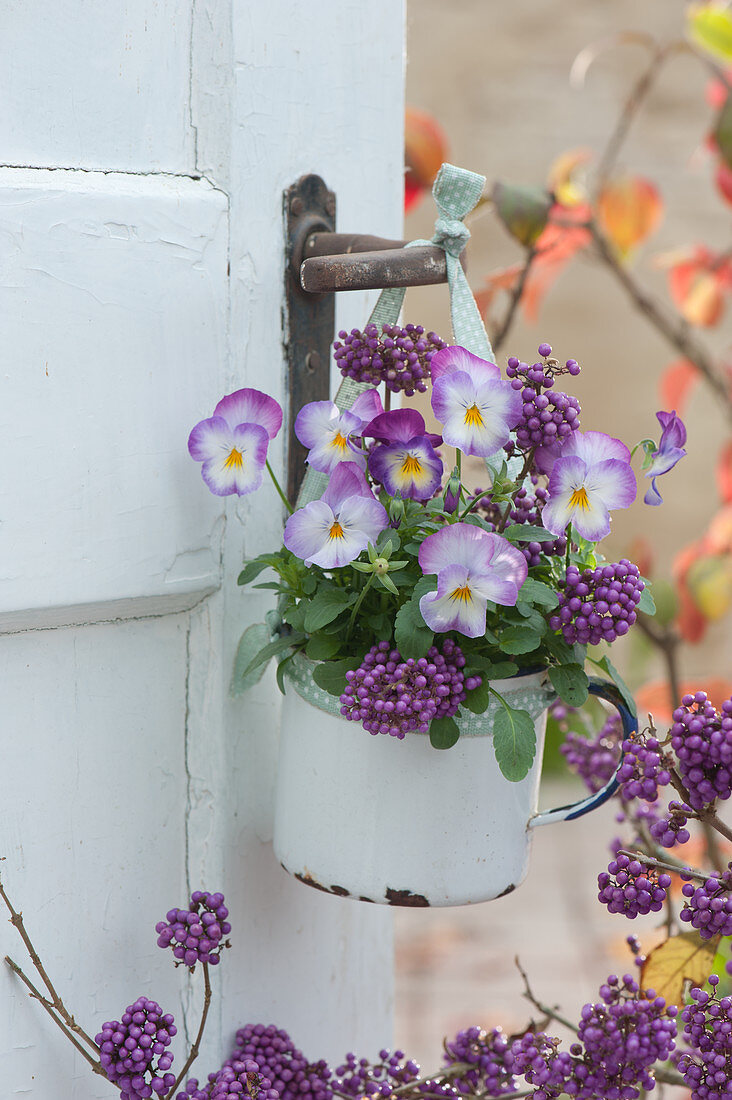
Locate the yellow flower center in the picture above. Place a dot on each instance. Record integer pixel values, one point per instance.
(234, 460)
(473, 419)
(339, 441)
(463, 593)
(579, 499)
(336, 531)
(411, 465)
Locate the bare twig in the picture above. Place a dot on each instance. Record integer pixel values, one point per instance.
(651, 861)
(668, 1076)
(667, 641)
(513, 302)
(36, 995)
(193, 1053)
(673, 328)
(16, 919)
(550, 1012)
(710, 839)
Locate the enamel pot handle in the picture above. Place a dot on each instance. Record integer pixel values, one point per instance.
(604, 690)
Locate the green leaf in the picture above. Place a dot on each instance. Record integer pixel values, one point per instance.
(609, 668)
(325, 606)
(322, 647)
(279, 645)
(647, 604)
(533, 591)
(514, 742)
(281, 670)
(722, 132)
(423, 586)
(295, 615)
(444, 733)
(570, 683)
(331, 675)
(517, 639)
(533, 619)
(490, 670)
(478, 699)
(388, 584)
(412, 636)
(527, 532)
(524, 210)
(388, 535)
(252, 641)
(253, 568)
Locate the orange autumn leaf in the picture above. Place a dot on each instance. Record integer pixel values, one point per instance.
(505, 279)
(565, 236)
(690, 622)
(677, 382)
(653, 698)
(682, 958)
(718, 537)
(723, 472)
(425, 150)
(697, 283)
(629, 210)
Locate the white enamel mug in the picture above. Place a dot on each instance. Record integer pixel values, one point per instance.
(398, 822)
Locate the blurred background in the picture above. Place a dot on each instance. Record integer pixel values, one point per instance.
(496, 80)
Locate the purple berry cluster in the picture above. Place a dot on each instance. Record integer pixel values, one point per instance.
(594, 759)
(671, 829)
(399, 357)
(547, 417)
(359, 1077)
(237, 1078)
(632, 888)
(708, 905)
(388, 694)
(643, 769)
(599, 604)
(707, 1065)
(133, 1053)
(526, 508)
(490, 1053)
(196, 934)
(701, 737)
(286, 1068)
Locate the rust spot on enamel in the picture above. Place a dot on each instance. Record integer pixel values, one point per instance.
(406, 898)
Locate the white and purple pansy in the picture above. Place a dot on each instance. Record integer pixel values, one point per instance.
(591, 475)
(472, 567)
(404, 459)
(334, 530)
(667, 454)
(476, 408)
(329, 433)
(232, 444)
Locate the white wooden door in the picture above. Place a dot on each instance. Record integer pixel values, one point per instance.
(145, 150)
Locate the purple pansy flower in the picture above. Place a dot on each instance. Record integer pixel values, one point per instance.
(334, 530)
(476, 408)
(591, 475)
(668, 453)
(232, 444)
(404, 460)
(472, 566)
(328, 432)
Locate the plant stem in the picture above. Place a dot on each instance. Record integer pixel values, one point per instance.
(277, 486)
(528, 460)
(16, 919)
(651, 861)
(36, 995)
(193, 1053)
(358, 603)
(667, 642)
(514, 300)
(550, 1012)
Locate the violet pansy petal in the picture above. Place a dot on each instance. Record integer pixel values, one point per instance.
(457, 358)
(476, 419)
(455, 544)
(673, 432)
(367, 405)
(209, 438)
(239, 466)
(346, 480)
(412, 469)
(652, 495)
(613, 482)
(663, 461)
(593, 447)
(367, 515)
(396, 426)
(306, 530)
(590, 518)
(250, 406)
(314, 421)
(455, 605)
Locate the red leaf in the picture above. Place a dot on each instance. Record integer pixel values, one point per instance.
(677, 382)
(425, 149)
(724, 473)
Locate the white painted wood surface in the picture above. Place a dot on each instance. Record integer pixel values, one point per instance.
(128, 774)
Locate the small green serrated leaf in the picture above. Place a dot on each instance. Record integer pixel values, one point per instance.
(527, 532)
(325, 606)
(517, 640)
(537, 592)
(646, 603)
(491, 670)
(322, 647)
(514, 742)
(444, 733)
(570, 683)
(412, 636)
(331, 675)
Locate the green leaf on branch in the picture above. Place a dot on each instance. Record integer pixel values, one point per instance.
(412, 636)
(610, 670)
(646, 603)
(524, 210)
(325, 606)
(253, 568)
(722, 132)
(281, 671)
(331, 675)
(514, 742)
(444, 733)
(252, 641)
(570, 683)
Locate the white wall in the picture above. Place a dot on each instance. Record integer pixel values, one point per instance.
(134, 294)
